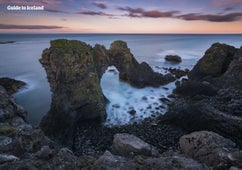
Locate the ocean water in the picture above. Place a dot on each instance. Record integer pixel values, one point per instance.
(20, 61)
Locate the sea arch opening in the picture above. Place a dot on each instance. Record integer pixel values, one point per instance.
(128, 104)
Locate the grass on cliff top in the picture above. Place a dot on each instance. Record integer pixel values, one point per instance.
(69, 44)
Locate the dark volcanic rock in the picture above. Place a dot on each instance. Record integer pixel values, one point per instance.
(178, 73)
(9, 109)
(138, 75)
(193, 88)
(7, 42)
(214, 63)
(75, 85)
(11, 85)
(110, 161)
(173, 58)
(194, 115)
(93, 139)
(233, 75)
(210, 148)
(74, 70)
(130, 145)
(211, 99)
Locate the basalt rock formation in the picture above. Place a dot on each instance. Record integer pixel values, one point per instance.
(211, 98)
(11, 85)
(74, 70)
(214, 63)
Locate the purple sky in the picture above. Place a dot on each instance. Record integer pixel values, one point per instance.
(124, 16)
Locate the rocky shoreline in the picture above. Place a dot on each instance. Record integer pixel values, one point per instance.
(208, 102)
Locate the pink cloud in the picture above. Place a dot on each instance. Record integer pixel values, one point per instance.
(140, 12)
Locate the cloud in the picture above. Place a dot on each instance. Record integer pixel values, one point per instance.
(219, 3)
(94, 13)
(101, 5)
(9, 26)
(228, 9)
(140, 12)
(55, 10)
(214, 18)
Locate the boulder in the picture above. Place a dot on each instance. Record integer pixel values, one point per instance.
(110, 161)
(210, 148)
(45, 153)
(173, 58)
(11, 85)
(214, 63)
(173, 162)
(129, 145)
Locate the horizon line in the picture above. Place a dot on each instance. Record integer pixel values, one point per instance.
(121, 33)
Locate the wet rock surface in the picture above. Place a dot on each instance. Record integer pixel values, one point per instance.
(173, 58)
(11, 85)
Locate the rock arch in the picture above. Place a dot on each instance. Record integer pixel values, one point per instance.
(74, 70)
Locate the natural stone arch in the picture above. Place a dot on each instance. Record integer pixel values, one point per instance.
(74, 70)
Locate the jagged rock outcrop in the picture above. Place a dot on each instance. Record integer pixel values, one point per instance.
(11, 85)
(214, 63)
(211, 98)
(75, 86)
(139, 75)
(74, 70)
(233, 75)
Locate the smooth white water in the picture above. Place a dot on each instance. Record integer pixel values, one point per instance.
(124, 98)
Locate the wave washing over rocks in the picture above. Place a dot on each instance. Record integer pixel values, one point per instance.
(201, 130)
(128, 104)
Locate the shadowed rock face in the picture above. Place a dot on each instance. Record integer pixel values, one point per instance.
(211, 99)
(214, 63)
(74, 82)
(74, 70)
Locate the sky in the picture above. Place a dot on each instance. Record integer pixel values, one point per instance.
(122, 16)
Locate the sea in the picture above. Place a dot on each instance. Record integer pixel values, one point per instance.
(20, 60)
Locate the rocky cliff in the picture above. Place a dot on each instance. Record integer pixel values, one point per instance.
(74, 70)
(211, 99)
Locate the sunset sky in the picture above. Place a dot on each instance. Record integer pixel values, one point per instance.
(123, 16)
